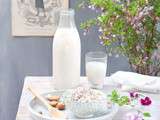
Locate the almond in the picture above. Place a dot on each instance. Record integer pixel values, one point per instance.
(53, 103)
(60, 106)
(53, 98)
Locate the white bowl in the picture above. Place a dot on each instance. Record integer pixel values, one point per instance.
(93, 103)
(88, 109)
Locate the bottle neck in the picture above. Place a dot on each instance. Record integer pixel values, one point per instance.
(66, 19)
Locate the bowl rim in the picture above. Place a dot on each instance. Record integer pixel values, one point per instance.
(36, 113)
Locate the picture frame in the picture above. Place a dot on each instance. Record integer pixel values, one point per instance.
(36, 17)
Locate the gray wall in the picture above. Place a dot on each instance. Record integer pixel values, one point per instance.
(23, 56)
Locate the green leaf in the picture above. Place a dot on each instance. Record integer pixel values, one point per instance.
(120, 100)
(88, 24)
(133, 7)
(146, 114)
(103, 18)
(114, 96)
(149, 23)
(123, 100)
(142, 2)
(156, 4)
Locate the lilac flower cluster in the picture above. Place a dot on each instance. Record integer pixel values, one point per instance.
(92, 7)
(136, 21)
(124, 21)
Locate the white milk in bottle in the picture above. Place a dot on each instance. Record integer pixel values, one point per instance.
(66, 52)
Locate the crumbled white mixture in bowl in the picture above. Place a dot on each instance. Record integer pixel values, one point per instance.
(83, 94)
(86, 102)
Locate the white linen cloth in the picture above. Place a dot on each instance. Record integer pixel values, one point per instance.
(134, 81)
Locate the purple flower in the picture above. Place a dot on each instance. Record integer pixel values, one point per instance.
(133, 95)
(101, 42)
(146, 101)
(137, 20)
(133, 116)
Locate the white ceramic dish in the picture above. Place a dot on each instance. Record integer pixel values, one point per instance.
(35, 107)
(81, 109)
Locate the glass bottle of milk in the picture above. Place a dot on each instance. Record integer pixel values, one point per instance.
(66, 52)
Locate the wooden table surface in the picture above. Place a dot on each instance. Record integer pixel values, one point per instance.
(44, 84)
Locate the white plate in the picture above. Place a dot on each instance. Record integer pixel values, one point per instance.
(35, 106)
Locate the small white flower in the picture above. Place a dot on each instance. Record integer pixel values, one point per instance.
(111, 23)
(84, 33)
(89, 6)
(102, 8)
(100, 29)
(114, 36)
(117, 16)
(93, 7)
(117, 55)
(110, 54)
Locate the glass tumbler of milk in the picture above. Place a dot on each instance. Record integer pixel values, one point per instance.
(96, 65)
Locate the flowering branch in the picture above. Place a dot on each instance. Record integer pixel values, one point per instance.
(133, 24)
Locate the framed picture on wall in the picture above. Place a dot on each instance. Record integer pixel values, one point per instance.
(36, 17)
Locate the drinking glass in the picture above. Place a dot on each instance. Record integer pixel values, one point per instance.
(96, 66)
